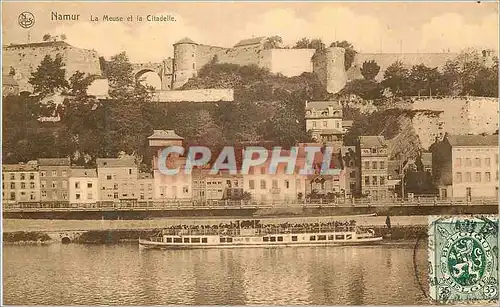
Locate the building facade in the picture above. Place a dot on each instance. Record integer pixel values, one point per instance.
(54, 179)
(83, 186)
(324, 121)
(373, 156)
(117, 179)
(466, 166)
(145, 185)
(20, 182)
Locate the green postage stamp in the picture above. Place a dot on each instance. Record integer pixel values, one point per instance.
(463, 259)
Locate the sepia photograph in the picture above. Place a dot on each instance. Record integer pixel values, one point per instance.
(250, 153)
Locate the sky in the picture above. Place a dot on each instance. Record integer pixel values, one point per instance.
(370, 27)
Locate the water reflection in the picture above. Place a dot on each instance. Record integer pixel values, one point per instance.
(125, 275)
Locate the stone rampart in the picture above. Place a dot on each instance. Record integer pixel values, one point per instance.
(288, 62)
(206, 95)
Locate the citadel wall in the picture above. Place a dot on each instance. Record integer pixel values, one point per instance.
(26, 58)
(328, 65)
(206, 95)
(288, 62)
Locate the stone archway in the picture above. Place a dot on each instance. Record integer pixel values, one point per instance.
(139, 77)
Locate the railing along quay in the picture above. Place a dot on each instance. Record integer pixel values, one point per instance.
(190, 205)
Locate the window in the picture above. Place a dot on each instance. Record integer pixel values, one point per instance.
(312, 238)
(108, 177)
(325, 123)
(297, 183)
(272, 239)
(458, 162)
(44, 194)
(23, 177)
(468, 162)
(265, 239)
(169, 240)
(42, 174)
(458, 177)
(54, 185)
(337, 125)
(348, 237)
(321, 238)
(374, 180)
(374, 150)
(162, 191)
(150, 187)
(32, 196)
(251, 184)
(12, 176)
(12, 185)
(43, 184)
(487, 176)
(352, 174)
(275, 184)
(280, 239)
(374, 165)
(64, 173)
(77, 184)
(54, 173)
(186, 240)
(204, 240)
(115, 195)
(487, 161)
(467, 177)
(287, 184)
(477, 162)
(32, 185)
(367, 180)
(89, 185)
(185, 189)
(262, 184)
(229, 240)
(12, 196)
(64, 184)
(382, 180)
(195, 240)
(90, 196)
(339, 237)
(23, 185)
(177, 240)
(330, 237)
(236, 183)
(262, 170)
(294, 238)
(115, 186)
(367, 165)
(314, 124)
(32, 176)
(77, 195)
(478, 177)
(382, 165)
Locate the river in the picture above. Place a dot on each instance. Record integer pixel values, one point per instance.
(122, 274)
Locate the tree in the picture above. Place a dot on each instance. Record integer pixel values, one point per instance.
(350, 52)
(305, 43)
(370, 70)
(396, 78)
(302, 43)
(422, 79)
(46, 37)
(49, 76)
(273, 42)
(63, 37)
(366, 89)
(119, 73)
(450, 79)
(486, 81)
(79, 83)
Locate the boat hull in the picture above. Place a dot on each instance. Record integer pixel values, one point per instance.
(161, 245)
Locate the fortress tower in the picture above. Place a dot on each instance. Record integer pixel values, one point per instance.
(184, 61)
(328, 65)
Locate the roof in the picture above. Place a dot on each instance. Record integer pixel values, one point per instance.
(185, 40)
(164, 135)
(18, 167)
(323, 105)
(115, 162)
(84, 172)
(426, 158)
(8, 80)
(371, 141)
(250, 41)
(54, 162)
(473, 140)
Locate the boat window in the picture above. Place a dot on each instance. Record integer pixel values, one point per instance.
(330, 237)
(229, 240)
(348, 237)
(312, 238)
(195, 240)
(265, 239)
(294, 238)
(322, 238)
(222, 240)
(204, 240)
(186, 240)
(247, 239)
(339, 237)
(169, 240)
(280, 239)
(273, 239)
(177, 240)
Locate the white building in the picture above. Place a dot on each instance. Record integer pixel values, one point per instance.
(83, 186)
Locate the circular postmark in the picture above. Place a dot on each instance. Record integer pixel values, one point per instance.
(26, 20)
(468, 262)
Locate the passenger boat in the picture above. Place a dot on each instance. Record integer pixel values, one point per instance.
(284, 235)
